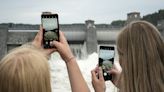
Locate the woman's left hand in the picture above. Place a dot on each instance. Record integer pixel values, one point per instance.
(98, 83)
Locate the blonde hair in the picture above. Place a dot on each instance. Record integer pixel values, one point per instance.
(141, 52)
(25, 69)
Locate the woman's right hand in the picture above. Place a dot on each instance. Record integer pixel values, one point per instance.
(116, 74)
(63, 48)
(77, 81)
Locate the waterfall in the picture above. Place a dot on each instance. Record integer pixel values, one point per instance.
(79, 50)
(59, 76)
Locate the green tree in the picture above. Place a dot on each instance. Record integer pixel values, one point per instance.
(154, 17)
(118, 23)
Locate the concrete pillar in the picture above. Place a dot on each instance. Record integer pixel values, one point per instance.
(160, 26)
(3, 41)
(91, 37)
(133, 16)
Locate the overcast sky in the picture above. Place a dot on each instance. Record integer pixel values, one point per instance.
(75, 11)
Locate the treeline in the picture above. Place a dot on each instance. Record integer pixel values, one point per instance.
(20, 26)
(153, 18)
(118, 23)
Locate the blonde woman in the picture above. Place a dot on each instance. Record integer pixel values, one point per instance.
(26, 69)
(141, 56)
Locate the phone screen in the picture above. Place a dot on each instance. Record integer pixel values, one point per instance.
(50, 29)
(50, 23)
(106, 60)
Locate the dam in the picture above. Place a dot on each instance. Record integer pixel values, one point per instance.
(83, 38)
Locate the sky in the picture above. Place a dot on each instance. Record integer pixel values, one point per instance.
(75, 11)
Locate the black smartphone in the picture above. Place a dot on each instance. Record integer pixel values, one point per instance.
(106, 60)
(50, 24)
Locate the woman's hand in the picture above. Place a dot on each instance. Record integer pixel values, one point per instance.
(63, 48)
(77, 81)
(98, 83)
(116, 74)
(38, 42)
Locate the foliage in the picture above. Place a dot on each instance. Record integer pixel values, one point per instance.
(154, 17)
(118, 23)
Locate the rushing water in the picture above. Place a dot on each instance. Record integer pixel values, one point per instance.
(60, 81)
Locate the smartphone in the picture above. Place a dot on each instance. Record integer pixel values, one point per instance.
(50, 24)
(106, 60)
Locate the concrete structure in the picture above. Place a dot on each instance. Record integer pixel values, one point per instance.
(83, 38)
(91, 37)
(3, 40)
(133, 16)
(160, 26)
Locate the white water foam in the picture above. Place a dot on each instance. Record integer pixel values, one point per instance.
(60, 81)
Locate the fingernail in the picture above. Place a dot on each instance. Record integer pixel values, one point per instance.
(51, 43)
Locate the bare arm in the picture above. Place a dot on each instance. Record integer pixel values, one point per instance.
(77, 81)
(116, 74)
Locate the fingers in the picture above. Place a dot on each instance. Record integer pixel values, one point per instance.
(62, 40)
(49, 51)
(117, 66)
(56, 44)
(100, 73)
(94, 77)
(38, 38)
(113, 71)
(62, 37)
(41, 34)
(116, 69)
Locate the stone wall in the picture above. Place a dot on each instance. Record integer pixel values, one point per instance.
(3, 41)
(18, 38)
(88, 35)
